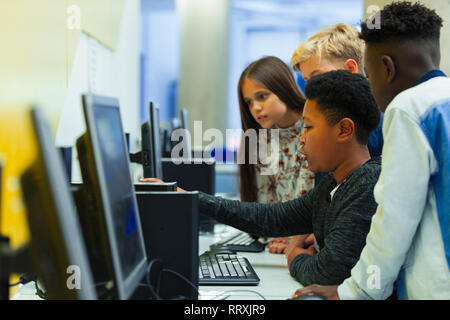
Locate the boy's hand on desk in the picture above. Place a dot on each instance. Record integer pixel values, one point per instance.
(309, 240)
(155, 180)
(330, 292)
(299, 241)
(292, 251)
(280, 245)
(277, 246)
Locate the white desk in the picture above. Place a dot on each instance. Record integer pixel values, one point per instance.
(276, 282)
(27, 292)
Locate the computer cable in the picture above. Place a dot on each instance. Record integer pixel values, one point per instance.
(161, 271)
(41, 294)
(231, 291)
(188, 282)
(24, 279)
(14, 284)
(149, 284)
(181, 277)
(198, 293)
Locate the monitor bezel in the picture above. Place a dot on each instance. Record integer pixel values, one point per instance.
(125, 287)
(148, 150)
(156, 136)
(186, 136)
(184, 119)
(59, 189)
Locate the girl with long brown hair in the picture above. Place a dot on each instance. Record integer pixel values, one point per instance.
(270, 99)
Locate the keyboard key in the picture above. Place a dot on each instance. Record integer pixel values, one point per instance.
(216, 269)
(231, 269)
(238, 268)
(224, 269)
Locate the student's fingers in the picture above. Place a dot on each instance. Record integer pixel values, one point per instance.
(309, 240)
(272, 247)
(329, 292)
(281, 240)
(277, 247)
(153, 180)
(312, 289)
(311, 250)
(302, 292)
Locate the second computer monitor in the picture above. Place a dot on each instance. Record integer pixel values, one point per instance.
(109, 156)
(151, 144)
(186, 134)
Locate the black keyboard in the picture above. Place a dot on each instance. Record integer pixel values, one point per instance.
(223, 268)
(240, 241)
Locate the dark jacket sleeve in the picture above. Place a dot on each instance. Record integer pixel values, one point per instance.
(267, 220)
(343, 244)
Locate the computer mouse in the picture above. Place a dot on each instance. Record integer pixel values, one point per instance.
(309, 297)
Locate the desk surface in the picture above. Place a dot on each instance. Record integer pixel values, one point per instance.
(276, 282)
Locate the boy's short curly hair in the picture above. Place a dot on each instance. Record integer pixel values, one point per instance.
(403, 20)
(342, 94)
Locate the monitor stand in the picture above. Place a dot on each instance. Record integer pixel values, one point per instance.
(11, 261)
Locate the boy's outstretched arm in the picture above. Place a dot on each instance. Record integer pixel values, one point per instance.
(271, 220)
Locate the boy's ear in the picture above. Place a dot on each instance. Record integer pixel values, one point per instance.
(389, 68)
(351, 65)
(346, 128)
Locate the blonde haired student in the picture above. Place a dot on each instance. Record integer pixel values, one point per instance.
(334, 48)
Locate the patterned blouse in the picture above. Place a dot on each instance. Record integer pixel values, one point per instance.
(293, 178)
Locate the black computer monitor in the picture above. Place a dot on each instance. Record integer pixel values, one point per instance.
(66, 153)
(151, 145)
(106, 176)
(148, 151)
(187, 148)
(58, 251)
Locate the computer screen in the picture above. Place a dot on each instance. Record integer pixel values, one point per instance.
(157, 151)
(58, 252)
(106, 149)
